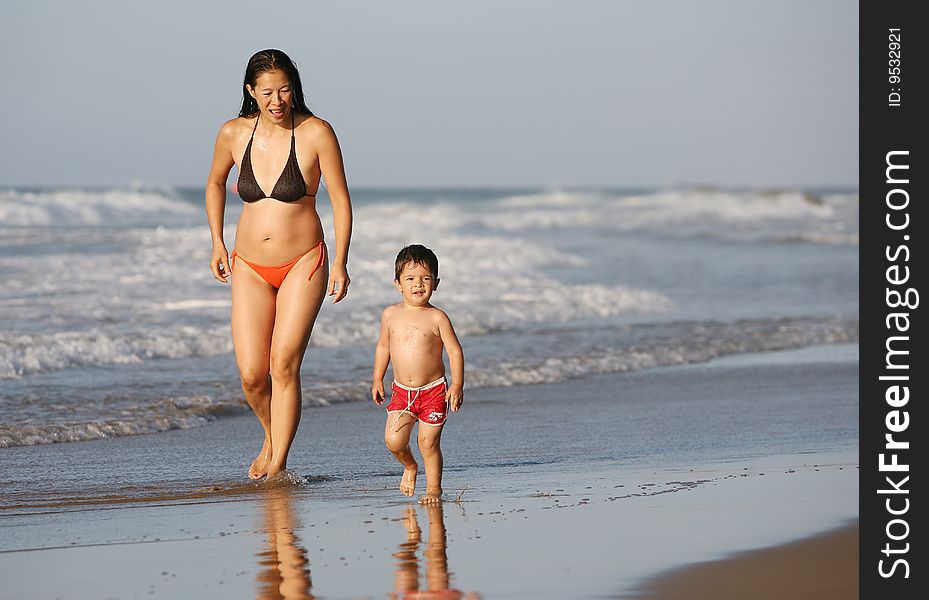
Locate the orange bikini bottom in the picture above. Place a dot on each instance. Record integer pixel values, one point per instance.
(274, 276)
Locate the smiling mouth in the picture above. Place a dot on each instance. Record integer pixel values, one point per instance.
(276, 112)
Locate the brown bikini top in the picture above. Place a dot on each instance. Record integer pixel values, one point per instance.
(290, 186)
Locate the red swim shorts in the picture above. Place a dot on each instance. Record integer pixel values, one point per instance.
(426, 403)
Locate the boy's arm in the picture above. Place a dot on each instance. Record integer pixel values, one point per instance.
(381, 360)
(455, 393)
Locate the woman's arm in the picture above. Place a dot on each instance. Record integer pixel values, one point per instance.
(332, 168)
(216, 201)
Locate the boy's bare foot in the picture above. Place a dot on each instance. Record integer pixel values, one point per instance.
(409, 521)
(431, 497)
(408, 480)
(259, 466)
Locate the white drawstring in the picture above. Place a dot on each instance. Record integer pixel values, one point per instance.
(409, 405)
(411, 398)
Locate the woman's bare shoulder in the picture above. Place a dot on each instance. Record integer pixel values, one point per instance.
(316, 127)
(236, 126)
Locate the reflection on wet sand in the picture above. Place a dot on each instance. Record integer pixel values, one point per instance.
(407, 573)
(284, 571)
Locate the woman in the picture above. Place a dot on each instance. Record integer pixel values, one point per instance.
(279, 264)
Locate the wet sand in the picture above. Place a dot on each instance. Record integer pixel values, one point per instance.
(638, 476)
(565, 535)
(824, 567)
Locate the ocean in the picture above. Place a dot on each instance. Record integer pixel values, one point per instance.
(654, 378)
(111, 324)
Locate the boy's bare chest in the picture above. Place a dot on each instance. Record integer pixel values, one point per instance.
(414, 333)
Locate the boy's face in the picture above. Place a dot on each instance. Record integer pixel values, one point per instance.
(416, 283)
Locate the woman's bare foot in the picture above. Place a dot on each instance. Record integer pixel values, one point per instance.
(432, 496)
(273, 470)
(408, 480)
(259, 467)
(280, 477)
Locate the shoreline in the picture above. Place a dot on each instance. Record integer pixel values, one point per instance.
(820, 567)
(578, 534)
(592, 486)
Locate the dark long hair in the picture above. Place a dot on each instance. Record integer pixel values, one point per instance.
(271, 60)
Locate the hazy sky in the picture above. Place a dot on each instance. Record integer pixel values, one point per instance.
(430, 93)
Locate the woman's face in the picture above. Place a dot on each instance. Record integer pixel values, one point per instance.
(274, 94)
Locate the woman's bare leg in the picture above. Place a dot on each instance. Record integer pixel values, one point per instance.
(298, 304)
(253, 307)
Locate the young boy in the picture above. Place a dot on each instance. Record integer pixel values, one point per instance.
(413, 335)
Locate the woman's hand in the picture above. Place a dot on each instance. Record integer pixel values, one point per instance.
(338, 282)
(219, 264)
